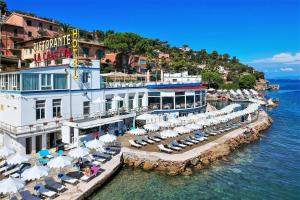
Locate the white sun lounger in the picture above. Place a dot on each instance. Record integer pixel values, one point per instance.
(26, 195)
(101, 160)
(155, 139)
(164, 149)
(46, 192)
(132, 143)
(67, 179)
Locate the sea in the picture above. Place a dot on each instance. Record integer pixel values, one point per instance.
(266, 169)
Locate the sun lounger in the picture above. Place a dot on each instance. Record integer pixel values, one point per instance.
(17, 170)
(200, 139)
(141, 142)
(53, 185)
(26, 195)
(6, 168)
(96, 158)
(132, 143)
(170, 146)
(87, 178)
(186, 142)
(164, 149)
(43, 191)
(145, 139)
(154, 139)
(102, 155)
(67, 179)
(191, 140)
(110, 152)
(175, 143)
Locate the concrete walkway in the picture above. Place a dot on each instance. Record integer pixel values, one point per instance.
(83, 189)
(196, 151)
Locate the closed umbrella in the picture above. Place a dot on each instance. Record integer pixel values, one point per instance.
(5, 151)
(11, 185)
(79, 152)
(107, 138)
(17, 158)
(35, 173)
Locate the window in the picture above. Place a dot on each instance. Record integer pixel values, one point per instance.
(29, 34)
(154, 94)
(30, 82)
(29, 23)
(50, 28)
(56, 104)
(40, 26)
(86, 51)
(40, 109)
(142, 62)
(108, 104)
(85, 77)
(86, 108)
(46, 82)
(59, 81)
(15, 32)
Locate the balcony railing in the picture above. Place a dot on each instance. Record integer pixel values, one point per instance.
(56, 124)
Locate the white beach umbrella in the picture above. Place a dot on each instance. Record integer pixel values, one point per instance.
(174, 122)
(137, 131)
(193, 126)
(35, 173)
(17, 158)
(182, 129)
(99, 101)
(11, 185)
(169, 133)
(107, 138)
(94, 144)
(163, 124)
(59, 162)
(78, 152)
(151, 127)
(5, 151)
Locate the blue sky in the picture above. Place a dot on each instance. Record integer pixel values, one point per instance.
(263, 33)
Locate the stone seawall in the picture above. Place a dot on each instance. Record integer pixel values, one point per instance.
(199, 157)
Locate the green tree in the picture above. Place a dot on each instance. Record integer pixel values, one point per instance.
(259, 75)
(212, 79)
(232, 76)
(230, 86)
(247, 81)
(3, 7)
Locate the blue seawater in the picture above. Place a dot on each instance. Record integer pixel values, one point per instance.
(266, 169)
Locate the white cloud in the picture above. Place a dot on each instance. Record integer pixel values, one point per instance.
(287, 69)
(282, 58)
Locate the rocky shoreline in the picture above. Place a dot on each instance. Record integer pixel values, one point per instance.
(199, 157)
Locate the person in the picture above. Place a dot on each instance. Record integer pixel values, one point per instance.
(87, 171)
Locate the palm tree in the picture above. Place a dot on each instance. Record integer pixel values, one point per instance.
(65, 28)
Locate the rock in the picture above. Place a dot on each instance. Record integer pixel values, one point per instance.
(148, 166)
(188, 171)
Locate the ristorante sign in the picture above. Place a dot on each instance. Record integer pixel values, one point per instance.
(58, 48)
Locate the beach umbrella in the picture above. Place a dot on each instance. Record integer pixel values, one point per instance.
(193, 126)
(17, 158)
(11, 185)
(137, 131)
(168, 133)
(107, 138)
(94, 144)
(5, 151)
(249, 119)
(59, 162)
(35, 173)
(79, 152)
(174, 122)
(163, 124)
(151, 127)
(182, 129)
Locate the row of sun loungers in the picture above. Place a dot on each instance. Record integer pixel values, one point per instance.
(178, 145)
(144, 141)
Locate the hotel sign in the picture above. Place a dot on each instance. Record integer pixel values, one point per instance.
(58, 48)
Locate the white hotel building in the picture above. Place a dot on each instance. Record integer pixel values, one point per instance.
(41, 105)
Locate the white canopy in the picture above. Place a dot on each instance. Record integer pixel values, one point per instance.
(137, 131)
(11, 185)
(151, 127)
(5, 151)
(107, 138)
(79, 152)
(60, 162)
(17, 159)
(145, 116)
(34, 173)
(182, 129)
(193, 126)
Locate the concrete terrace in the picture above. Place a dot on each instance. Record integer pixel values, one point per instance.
(195, 152)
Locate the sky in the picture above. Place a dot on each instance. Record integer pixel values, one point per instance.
(262, 33)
